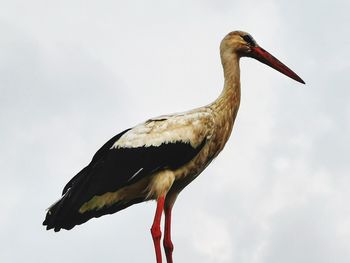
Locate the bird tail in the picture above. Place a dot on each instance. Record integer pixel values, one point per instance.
(64, 215)
(64, 212)
(58, 213)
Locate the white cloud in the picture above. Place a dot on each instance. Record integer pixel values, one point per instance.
(210, 237)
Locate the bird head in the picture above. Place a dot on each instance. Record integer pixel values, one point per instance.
(242, 44)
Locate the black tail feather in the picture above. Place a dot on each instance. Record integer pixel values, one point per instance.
(56, 215)
(61, 215)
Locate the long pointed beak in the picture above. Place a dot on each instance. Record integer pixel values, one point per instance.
(266, 58)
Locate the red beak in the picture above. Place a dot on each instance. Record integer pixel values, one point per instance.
(266, 58)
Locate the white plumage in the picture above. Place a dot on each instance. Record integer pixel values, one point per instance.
(188, 127)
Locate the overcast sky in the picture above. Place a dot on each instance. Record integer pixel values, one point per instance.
(75, 73)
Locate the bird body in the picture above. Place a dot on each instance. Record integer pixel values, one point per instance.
(157, 159)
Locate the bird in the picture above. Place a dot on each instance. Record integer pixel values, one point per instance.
(157, 159)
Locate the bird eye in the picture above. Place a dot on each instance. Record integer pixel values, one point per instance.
(249, 40)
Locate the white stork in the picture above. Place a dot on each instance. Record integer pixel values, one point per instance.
(156, 159)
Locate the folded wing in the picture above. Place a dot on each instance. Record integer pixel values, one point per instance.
(167, 142)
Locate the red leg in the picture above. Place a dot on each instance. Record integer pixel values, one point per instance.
(155, 229)
(168, 245)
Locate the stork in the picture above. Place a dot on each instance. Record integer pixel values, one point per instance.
(157, 159)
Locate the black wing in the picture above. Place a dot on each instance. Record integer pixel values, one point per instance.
(111, 169)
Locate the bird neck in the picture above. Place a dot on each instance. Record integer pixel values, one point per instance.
(230, 97)
(225, 107)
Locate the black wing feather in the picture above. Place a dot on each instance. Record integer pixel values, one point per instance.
(98, 155)
(110, 170)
